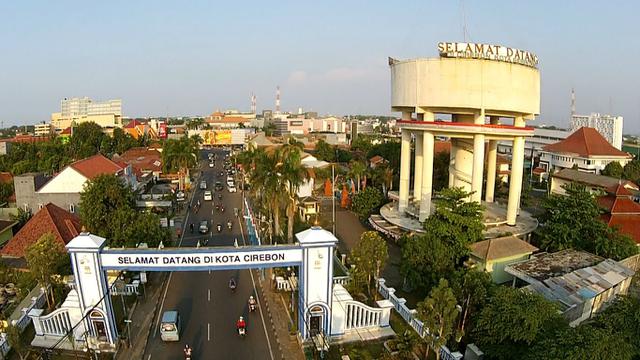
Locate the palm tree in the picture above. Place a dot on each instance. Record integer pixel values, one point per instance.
(292, 174)
(358, 169)
(180, 155)
(266, 186)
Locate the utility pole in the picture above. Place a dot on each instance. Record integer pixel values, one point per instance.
(333, 195)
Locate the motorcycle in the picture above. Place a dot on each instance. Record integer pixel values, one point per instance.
(219, 228)
(232, 285)
(221, 208)
(229, 225)
(217, 206)
(205, 241)
(252, 307)
(191, 227)
(187, 354)
(242, 332)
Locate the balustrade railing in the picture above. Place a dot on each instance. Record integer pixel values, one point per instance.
(361, 316)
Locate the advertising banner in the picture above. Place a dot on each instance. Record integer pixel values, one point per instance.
(162, 130)
(216, 137)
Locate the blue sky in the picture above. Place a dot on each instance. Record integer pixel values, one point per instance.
(193, 57)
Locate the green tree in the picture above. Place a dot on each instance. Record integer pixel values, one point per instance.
(86, 140)
(370, 256)
(438, 312)
(45, 258)
(425, 260)
(441, 170)
(632, 171)
(22, 217)
(473, 289)
(179, 155)
(582, 342)
(357, 171)
(389, 150)
(513, 320)
(573, 221)
(366, 202)
(292, 174)
(14, 337)
(622, 318)
(6, 190)
(325, 151)
(613, 169)
(269, 128)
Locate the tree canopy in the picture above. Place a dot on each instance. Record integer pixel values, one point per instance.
(369, 257)
(438, 312)
(45, 259)
(632, 171)
(613, 169)
(366, 202)
(572, 221)
(107, 208)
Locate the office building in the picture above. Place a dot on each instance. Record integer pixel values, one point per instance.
(610, 127)
(43, 129)
(107, 114)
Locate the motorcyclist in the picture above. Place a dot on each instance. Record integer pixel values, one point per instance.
(252, 303)
(232, 284)
(187, 352)
(229, 224)
(241, 324)
(191, 227)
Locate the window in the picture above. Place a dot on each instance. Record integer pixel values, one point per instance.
(72, 208)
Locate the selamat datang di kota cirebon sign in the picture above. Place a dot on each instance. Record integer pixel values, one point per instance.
(200, 259)
(487, 52)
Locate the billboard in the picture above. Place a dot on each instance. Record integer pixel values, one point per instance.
(216, 137)
(162, 130)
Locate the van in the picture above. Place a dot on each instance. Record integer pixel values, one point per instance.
(170, 326)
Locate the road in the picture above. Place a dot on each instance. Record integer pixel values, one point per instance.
(207, 306)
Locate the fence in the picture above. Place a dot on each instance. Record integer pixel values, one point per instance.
(361, 316)
(20, 318)
(632, 262)
(342, 280)
(127, 289)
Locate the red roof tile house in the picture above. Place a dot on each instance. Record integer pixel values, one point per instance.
(50, 219)
(33, 191)
(586, 149)
(621, 211)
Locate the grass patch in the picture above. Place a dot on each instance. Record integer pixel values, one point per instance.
(357, 351)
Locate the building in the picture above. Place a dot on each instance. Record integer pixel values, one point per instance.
(595, 184)
(578, 282)
(610, 127)
(34, 190)
(488, 97)
(533, 145)
(584, 149)
(621, 211)
(493, 255)
(43, 129)
(304, 126)
(50, 219)
(145, 162)
(74, 111)
(138, 129)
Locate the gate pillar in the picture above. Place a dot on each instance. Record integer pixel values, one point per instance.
(316, 281)
(93, 288)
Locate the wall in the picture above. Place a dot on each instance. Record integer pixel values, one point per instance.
(496, 267)
(25, 186)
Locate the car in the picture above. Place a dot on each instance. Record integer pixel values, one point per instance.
(232, 189)
(180, 196)
(229, 178)
(231, 183)
(212, 164)
(204, 227)
(219, 186)
(208, 196)
(203, 184)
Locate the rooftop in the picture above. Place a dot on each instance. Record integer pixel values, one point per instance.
(586, 142)
(547, 265)
(500, 248)
(95, 165)
(601, 181)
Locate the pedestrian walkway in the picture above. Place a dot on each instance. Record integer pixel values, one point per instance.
(143, 317)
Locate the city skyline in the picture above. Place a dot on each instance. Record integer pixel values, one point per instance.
(332, 58)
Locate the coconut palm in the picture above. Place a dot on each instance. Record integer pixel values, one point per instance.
(358, 170)
(180, 155)
(292, 175)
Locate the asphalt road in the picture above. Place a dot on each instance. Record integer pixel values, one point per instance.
(207, 306)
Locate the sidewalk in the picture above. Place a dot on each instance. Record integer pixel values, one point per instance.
(278, 316)
(142, 318)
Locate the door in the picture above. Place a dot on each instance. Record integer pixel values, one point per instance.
(314, 324)
(101, 330)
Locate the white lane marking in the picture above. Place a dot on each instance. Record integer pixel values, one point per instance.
(209, 295)
(264, 325)
(184, 226)
(149, 358)
(208, 331)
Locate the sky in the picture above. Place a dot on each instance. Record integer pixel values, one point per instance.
(194, 57)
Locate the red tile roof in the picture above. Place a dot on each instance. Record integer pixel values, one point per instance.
(586, 142)
(626, 224)
(51, 218)
(66, 131)
(142, 159)
(441, 146)
(538, 170)
(96, 165)
(132, 124)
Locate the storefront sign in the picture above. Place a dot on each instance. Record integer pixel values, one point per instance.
(488, 52)
(201, 259)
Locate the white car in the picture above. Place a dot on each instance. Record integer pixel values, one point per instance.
(231, 183)
(232, 189)
(203, 184)
(212, 164)
(208, 196)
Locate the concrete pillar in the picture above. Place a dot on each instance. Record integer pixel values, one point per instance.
(452, 162)
(478, 167)
(515, 179)
(405, 169)
(427, 176)
(491, 170)
(417, 171)
(491, 164)
(406, 115)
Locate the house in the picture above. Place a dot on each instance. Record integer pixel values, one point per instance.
(138, 129)
(621, 211)
(578, 282)
(595, 184)
(308, 208)
(376, 161)
(33, 190)
(50, 219)
(585, 149)
(145, 162)
(494, 255)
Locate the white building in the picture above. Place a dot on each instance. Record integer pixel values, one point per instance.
(610, 127)
(585, 149)
(106, 113)
(533, 145)
(42, 129)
